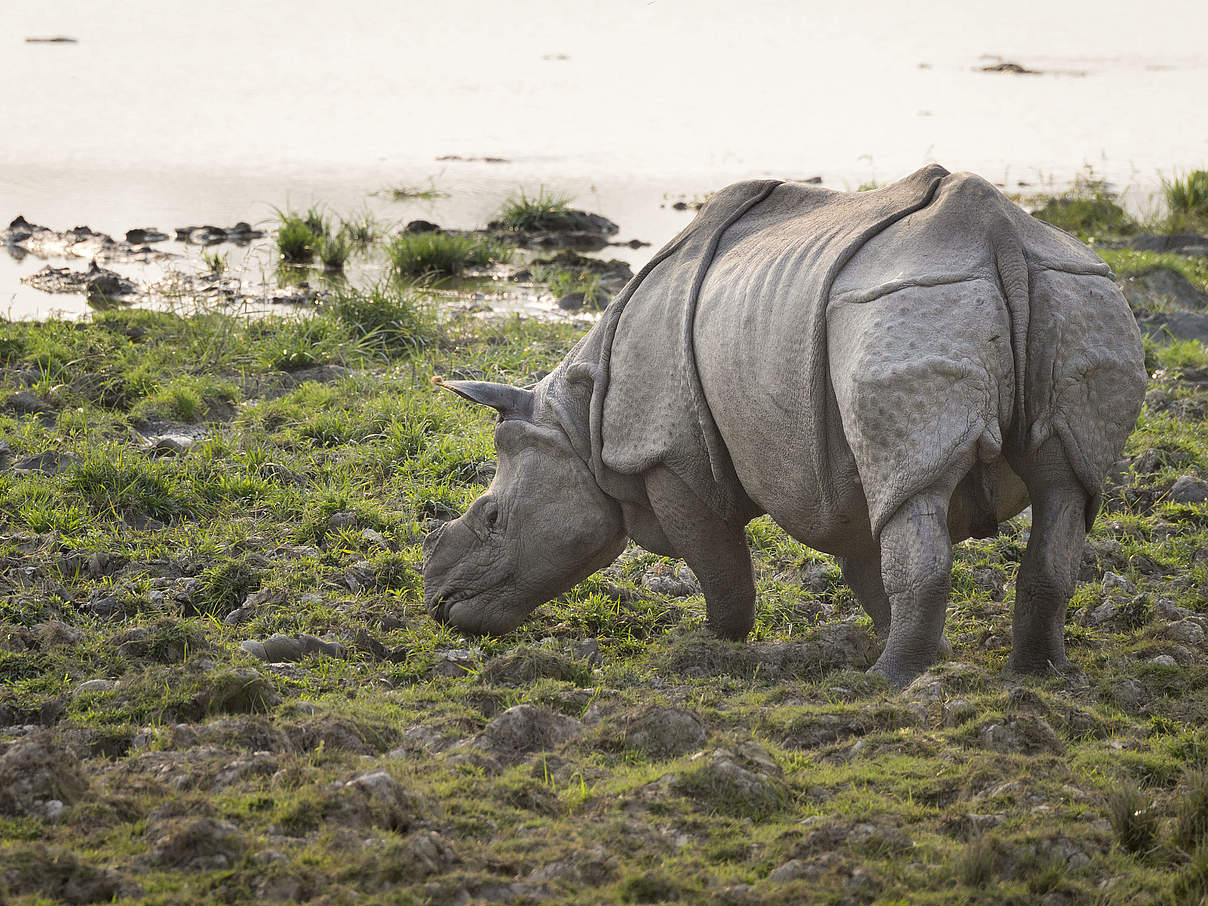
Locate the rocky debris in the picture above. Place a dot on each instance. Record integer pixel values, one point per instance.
(96, 282)
(373, 799)
(1179, 243)
(613, 273)
(1159, 288)
(572, 301)
(812, 730)
(831, 647)
(420, 855)
(422, 226)
(81, 242)
(1189, 489)
(196, 844)
(237, 691)
(145, 235)
(50, 462)
(331, 733)
(456, 662)
(1024, 733)
(1178, 325)
(38, 779)
(523, 729)
(241, 234)
(591, 867)
(665, 732)
(674, 582)
(524, 666)
(279, 648)
(744, 780)
(169, 444)
(1009, 67)
(1188, 632)
(25, 403)
(60, 875)
(93, 686)
(570, 229)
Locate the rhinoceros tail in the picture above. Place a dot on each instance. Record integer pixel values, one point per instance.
(1012, 267)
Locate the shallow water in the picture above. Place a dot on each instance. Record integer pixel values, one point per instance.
(221, 112)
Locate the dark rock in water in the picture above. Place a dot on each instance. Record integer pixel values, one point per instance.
(613, 273)
(57, 39)
(1180, 243)
(1005, 66)
(142, 236)
(572, 301)
(1177, 325)
(1160, 286)
(96, 282)
(241, 233)
(422, 226)
(104, 284)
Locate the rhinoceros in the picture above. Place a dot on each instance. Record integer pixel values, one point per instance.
(884, 373)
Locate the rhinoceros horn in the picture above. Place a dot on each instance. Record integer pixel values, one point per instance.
(512, 402)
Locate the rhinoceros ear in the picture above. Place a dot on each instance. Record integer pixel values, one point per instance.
(513, 402)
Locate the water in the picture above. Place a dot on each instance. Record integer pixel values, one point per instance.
(218, 112)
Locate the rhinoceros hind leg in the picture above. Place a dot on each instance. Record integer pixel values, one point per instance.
(1050, 564)
(862, 572)
(715, 550)
(916, 568)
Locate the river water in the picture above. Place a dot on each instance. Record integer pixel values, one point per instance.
(187, 113)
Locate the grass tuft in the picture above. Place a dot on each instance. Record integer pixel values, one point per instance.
(296, 240)
(1088, 210)
(442, 254)
(334, 251)
(1187, 194)
(1190, 830)
(543, 211)
(1135, 826)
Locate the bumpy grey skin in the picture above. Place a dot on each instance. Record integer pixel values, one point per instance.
(884, 373)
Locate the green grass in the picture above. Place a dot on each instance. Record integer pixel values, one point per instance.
(1187, 194)
(1088, 210)
(439, 254)
(334, 251)
(296, 241)
(417, 193)
(545, 210)
(306, 493)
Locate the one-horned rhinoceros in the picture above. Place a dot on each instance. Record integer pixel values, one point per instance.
(883, 373)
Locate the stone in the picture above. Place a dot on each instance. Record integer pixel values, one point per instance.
(34, 773)
(572, 301)
(25, 403)
(665, 732)
(1186, 631)
(523, 729)
(51, 462)
(200, 844)
(1188, 489)
(1164, 660)
(1025, 733)
(94, 685)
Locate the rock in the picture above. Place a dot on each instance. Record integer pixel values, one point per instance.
(676, 583)
(456, 662)
(1186, 631)
(143, 236)
(1008, 67)
(523, 729)
(527, 665)
(199, 844)
(52, 462)
(254, 648)
(59, 875)
(745, 781)
(1161, 286)
(374, 799)
(1177, 325)
(25, 403)
(94, 685)
(168, 444)
(572, 301)
(34, 773)
(791, 871)
(958, 711)
(1179, 243)
(1164, 660)
(587, 650)
(1129, 694)
(279, 648)
(1025, 733)
(1188, 489)
(422, 226)
(665, 732)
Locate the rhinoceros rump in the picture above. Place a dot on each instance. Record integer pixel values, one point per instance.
(883, 373)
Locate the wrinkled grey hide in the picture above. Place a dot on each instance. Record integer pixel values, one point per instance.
(884, 373)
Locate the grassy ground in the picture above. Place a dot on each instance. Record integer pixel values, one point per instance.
(175, 487)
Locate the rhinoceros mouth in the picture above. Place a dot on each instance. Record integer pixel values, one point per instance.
(441, 606)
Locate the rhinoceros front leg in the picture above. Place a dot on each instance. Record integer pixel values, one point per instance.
(1050, 564)
(714, 549)
(916, 568)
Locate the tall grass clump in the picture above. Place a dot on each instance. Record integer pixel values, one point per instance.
(1190, 831)
(1136, 827)
(1088, 209)
(361, 229)
(544, 211)
(334, 251)
(1187, 196)
(386, 318)
(295, 240)
(442, 254)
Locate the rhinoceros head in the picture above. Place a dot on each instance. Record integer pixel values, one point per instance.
(542, 525)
